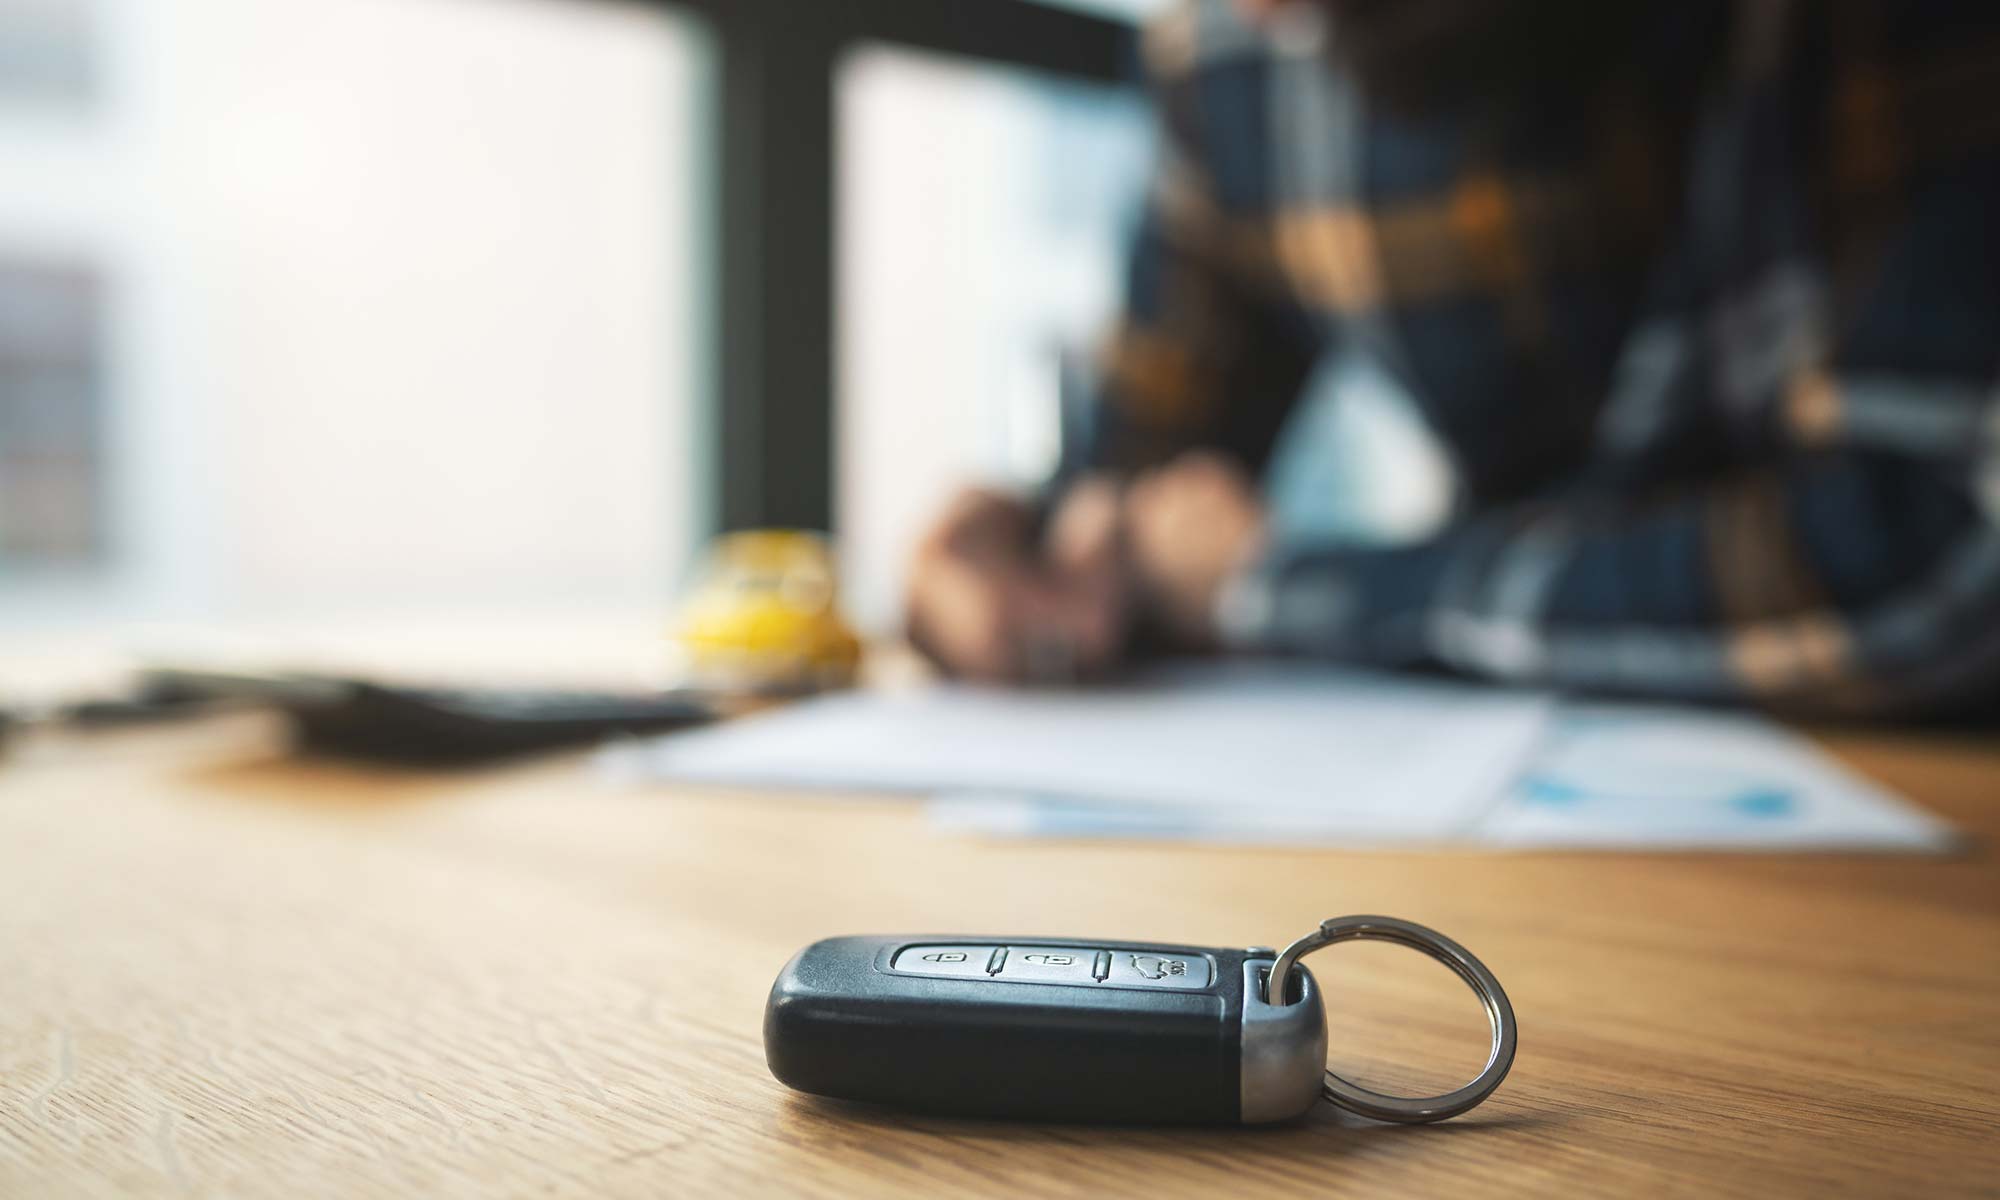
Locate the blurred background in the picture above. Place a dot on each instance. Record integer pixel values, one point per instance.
(325, 311)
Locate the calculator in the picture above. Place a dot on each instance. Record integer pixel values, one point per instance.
(364, 719)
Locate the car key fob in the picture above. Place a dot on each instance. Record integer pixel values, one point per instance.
(1047, 1029)
(1064, 1030)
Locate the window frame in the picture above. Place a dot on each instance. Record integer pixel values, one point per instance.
(771, 432)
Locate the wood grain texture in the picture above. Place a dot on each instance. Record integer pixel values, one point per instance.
(231, 976)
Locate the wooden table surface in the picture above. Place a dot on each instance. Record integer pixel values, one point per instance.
(222, 973)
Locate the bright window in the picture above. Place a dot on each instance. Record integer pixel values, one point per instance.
(401, 304)
(983, 219)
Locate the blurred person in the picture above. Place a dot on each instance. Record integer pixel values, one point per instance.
(1701, 299)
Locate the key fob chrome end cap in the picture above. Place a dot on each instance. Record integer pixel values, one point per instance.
(1283, 1059)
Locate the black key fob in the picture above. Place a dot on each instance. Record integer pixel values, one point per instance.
(1047, 1029)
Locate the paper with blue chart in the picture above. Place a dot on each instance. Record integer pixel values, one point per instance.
(1598, 777)
(1290, 755)
(1654, 777)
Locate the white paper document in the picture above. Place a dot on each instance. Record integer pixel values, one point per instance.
(1304, 755)
(1654, 777)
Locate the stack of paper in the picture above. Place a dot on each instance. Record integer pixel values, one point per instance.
(1292, 755)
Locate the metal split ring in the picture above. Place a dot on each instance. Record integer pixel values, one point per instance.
(1407, 1109)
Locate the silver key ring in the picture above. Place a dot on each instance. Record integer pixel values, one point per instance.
(1407, 1109)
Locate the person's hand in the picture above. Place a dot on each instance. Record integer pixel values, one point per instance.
(1189, 527)
(986, 602)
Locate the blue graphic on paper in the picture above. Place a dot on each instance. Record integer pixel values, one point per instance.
(1610, 768)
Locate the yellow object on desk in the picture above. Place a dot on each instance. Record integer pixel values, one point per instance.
(765, 616)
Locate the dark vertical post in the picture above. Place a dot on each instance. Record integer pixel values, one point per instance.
(774, 424)
(775, 418)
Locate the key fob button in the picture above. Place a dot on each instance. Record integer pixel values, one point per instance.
(1147, 968)
(1054, 964)
(968, 961)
